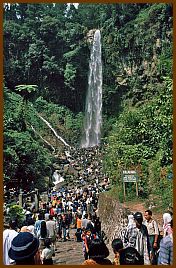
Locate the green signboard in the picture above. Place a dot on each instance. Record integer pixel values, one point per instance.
(129, 176)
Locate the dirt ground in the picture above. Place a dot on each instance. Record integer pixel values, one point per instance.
(135, 206)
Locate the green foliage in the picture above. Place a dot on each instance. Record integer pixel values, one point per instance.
(64, 121)
(46, 45)
(25, 159)
(143, 135)
(16, 213)
(69, 75)
(26, 91)
(28, 88)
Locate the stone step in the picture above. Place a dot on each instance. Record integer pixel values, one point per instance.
(69, 252)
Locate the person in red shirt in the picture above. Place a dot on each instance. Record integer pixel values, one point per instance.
(51, 211)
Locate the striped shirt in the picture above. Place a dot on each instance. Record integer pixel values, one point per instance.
(166, 250)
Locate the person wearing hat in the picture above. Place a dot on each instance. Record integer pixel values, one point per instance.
(24, 248)
(138, 238)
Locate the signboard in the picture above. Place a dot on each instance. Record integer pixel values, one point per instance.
(129, 176)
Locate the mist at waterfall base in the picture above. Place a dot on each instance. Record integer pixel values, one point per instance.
(93, 108)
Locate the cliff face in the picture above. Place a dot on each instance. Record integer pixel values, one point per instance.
(136, 55)
(113, 216)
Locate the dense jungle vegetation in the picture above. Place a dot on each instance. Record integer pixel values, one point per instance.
(46, 64)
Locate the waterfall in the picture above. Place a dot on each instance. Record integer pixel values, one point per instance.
(93, 108)
(55, 133)
(43, 139)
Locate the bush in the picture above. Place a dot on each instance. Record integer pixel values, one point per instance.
(16, 214)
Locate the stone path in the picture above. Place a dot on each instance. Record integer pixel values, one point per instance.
(69, 252)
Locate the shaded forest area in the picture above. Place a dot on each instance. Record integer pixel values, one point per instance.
(47, 50)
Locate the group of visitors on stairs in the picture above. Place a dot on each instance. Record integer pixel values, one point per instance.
(35, 241)
(76, 207)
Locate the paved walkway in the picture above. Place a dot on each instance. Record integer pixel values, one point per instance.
(69, 252)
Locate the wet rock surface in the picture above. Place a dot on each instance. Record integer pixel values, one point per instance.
(80, 166)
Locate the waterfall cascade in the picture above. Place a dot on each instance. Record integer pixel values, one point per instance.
(93, 108)
(55, 133)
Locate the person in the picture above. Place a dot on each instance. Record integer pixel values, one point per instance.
(47, 253)
(24, 229)
(59, 226)
(84, 221)
(79, 230)
(98, 253)
(153, 232)
(79, 223)
(131, 222)
(43, 234)
(51, 231)
(166, 248)
(30, 226)
(97, 227)
(24, 248)
(37, 225)
(90, 224)
(166, 226)
(117, 246)
(65, 227)
(87, 237)
(8, 236)
(137, 237)
(130, 256)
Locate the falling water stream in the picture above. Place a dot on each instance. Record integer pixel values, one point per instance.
(55, 133)
(93, 108)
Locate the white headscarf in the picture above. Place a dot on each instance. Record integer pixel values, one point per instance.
(166, 226)
(167, 218)
(131, 222)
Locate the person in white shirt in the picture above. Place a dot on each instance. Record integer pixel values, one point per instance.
(153, 232)
(8, 236)
(51, 230)
(69, 204)
(47, 253)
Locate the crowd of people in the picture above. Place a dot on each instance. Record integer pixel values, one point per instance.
(34, 241)
(65, 208)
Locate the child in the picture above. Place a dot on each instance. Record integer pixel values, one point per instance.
(47, 253)
(87, 237)
(117, 246)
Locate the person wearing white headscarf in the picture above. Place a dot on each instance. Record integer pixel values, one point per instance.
(167, 226)
(131, 222)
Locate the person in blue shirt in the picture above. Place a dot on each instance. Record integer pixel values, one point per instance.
(166, 249)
